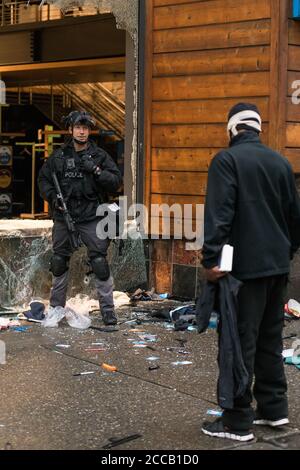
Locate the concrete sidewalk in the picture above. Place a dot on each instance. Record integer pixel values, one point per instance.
(43, 406)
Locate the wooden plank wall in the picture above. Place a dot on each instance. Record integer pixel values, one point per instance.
(206, 56)
(292, 143)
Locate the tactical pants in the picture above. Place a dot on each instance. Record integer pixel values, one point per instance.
(260, 324)
(95, 247)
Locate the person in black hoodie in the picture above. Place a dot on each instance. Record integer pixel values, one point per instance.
(252, 204)
(85, 174)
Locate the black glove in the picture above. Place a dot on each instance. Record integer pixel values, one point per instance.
(56, 204)
(88, 165)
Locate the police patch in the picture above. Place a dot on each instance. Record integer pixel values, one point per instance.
(71, 164)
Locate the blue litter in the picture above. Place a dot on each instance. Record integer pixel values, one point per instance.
(20, 328)
(214, 413)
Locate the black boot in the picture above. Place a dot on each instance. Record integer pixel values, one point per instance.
(109, 318)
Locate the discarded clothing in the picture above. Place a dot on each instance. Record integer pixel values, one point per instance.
(143, 295)
(222, 296)
(36, 311)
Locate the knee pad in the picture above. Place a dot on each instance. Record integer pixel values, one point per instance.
(100, 268)
(59, 265)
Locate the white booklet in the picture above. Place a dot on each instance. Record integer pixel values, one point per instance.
(226, 258)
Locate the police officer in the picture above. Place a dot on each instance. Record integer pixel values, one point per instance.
(86, 174)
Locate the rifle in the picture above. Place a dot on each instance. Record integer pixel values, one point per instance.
(73, 235)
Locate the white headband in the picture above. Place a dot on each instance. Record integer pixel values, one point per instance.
(249, 118)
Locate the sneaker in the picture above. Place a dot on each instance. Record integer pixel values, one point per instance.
(270, 422)
(109, 318)
(217, 429)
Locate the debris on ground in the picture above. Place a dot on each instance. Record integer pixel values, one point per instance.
(143, 295)
(36, 311)
(292, 309)
(75, 319)
(104, 329)
(113, 441)
(84, 373)
(20, 329)
(108, 367)
(121, 299)
(6, 323)
(214, 413)
(181, 363)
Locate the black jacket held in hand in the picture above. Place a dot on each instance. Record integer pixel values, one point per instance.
(82, 190)
(222, 297)
(252, 203)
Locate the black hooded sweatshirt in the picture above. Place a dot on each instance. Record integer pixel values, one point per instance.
(83, 192)
(252, 203)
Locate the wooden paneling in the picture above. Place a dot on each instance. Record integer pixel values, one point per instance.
(168, 182)
(293, 134)
(202, 135)
(253, 33)
(207, 56)
(293, 155)
(292, 125)
(200, 111)
(212, 86)
(247, 59)
(210, 12)
(178, 159)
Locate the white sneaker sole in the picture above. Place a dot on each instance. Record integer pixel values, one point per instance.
(228, 435)
(273, 424)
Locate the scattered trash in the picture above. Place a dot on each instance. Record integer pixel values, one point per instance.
(191, 328)
(6, 323)
(83, 304)
(21, 316)
(65, 346)
(168, 326)
(214, 413)
(292, 308)
(104, 329)
(181, 363)
(287, 353)
(77, 320)
(153, 358)
(2, 425)
(20, 329)
(53, 316)
(154, 367)
(143, 295)
(83, 373)
(136, 330)
(140, 345)
(121, 299)
(95, 349)
(148, 337)
(117, 441)
(108, 367)
(164, 296)
(36, 311)
(293, 360)
(97, 344)
(187, 311)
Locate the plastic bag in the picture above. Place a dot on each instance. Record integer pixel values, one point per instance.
(53, 317)
(76, 320)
